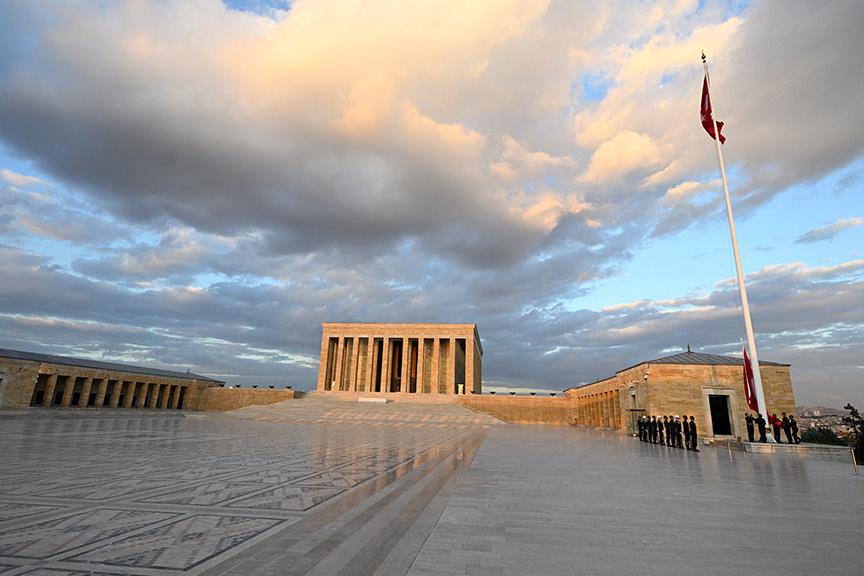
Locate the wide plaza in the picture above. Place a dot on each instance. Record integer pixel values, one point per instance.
(325, 487)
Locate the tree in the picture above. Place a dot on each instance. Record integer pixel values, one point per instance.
(821, 436)
(855, 420)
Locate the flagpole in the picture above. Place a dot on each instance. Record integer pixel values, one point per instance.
(745, 305)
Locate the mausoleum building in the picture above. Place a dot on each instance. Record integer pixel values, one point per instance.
(417, 359)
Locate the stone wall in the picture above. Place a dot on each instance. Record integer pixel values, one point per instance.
(18, 379)
(524, 409)
(223, 399)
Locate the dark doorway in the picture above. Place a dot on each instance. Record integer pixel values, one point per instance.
(720, 422)
(181, 398)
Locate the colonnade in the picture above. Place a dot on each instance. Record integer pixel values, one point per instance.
(70, 390)
(602, 409)
(383, 361)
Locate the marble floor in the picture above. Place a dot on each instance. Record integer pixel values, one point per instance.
(333, 489)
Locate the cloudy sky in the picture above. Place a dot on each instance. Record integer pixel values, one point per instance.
(199, 184)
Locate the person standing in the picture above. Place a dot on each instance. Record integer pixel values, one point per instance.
(678, 431)
(685, 429)
(693, 435)
(775, 426)
(793, 425)
(760, 423)
(652, 430)
(639, 424)
(661, 425)
(670, 425)
(787, 427)
(749, 420)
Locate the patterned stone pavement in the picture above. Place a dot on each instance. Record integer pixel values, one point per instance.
(402, 489)
(147, 493)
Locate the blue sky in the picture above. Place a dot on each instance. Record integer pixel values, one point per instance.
(200, 185)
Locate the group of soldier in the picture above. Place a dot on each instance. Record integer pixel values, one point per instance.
(675, 431)
(787, 423)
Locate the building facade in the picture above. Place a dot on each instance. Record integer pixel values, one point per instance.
(29, 379)
(418, 359)
(707, 386)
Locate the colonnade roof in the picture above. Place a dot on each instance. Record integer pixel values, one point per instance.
(97, 365)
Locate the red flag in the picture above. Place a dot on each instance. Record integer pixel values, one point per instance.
(749, 384)
(705, 114)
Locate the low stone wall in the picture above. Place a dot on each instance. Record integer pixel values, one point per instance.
(224, 399)
(524, 409)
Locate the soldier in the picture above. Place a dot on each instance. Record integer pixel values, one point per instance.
(677, 427)
(793, 424)
(693, 435)
(749, 419)
(775, 425)
(787, 427)
(639, 424)
(760, 423)
(652, 429)
(661, 425)
(685, 429)
(670, 425)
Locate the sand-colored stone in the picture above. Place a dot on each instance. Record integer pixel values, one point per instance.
(525, 409)
(224, 399)
(395, 358)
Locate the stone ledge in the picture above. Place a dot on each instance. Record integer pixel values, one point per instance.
(820, 451)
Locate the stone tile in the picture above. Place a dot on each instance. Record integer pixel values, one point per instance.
(289, 498)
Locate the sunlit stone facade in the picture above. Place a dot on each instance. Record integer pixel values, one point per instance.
(418, 359)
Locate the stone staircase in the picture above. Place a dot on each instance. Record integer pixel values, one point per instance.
(313, 409)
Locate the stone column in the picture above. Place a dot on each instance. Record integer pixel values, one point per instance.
(50, 386)
(355, 362)
(469, 363)
(174, 394)
(115, 394)
(406, 364)
(385, 365)
(164, 403)
(154, 393)
(336, 384)
(100, 392)
(325, 360)
(436, 363)
(67, 391)
(421, 363)
(451, 367)
(371, 358)
(85, 392)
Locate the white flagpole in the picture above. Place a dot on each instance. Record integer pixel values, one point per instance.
(745, 305)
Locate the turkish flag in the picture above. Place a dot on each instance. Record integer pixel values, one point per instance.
(705, 113)
(749, 383)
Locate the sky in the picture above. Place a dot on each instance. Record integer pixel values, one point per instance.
(199, 185)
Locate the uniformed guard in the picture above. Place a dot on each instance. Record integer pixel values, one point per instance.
(787, 427)
(677, 429)
(749, 420)
(661, 425)
(760, 423)
(669, 433)
(685, 429)
(793, 424)
(694, 437)
(639, 424)
(652, 430)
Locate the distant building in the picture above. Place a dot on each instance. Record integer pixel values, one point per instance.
(707, 386)
(418, 359)
(44, 380)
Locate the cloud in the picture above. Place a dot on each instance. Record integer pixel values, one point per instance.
(829, 232)
(20, 180)
(625, 152)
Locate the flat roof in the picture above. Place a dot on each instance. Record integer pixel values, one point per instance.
(97, 365)
(444, 325)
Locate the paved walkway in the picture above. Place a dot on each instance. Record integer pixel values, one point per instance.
(400, 489)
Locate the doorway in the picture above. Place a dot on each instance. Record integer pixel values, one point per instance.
(721, 424)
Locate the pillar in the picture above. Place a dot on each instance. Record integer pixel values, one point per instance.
(371, 358)
(451, 367)
(50, 386)
(85, 392)
(469, 363)
(421, 363)
(406, 363)
(100, 392)
(436, 365)
(173, 394)
(355, 362)
(152, 393)
(385, 365)
(165, 395)
(115, 394)
(67, 391)
(336, 381)
(325, 361)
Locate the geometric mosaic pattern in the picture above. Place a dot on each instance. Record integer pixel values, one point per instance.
(179, 545)
(148, 494)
